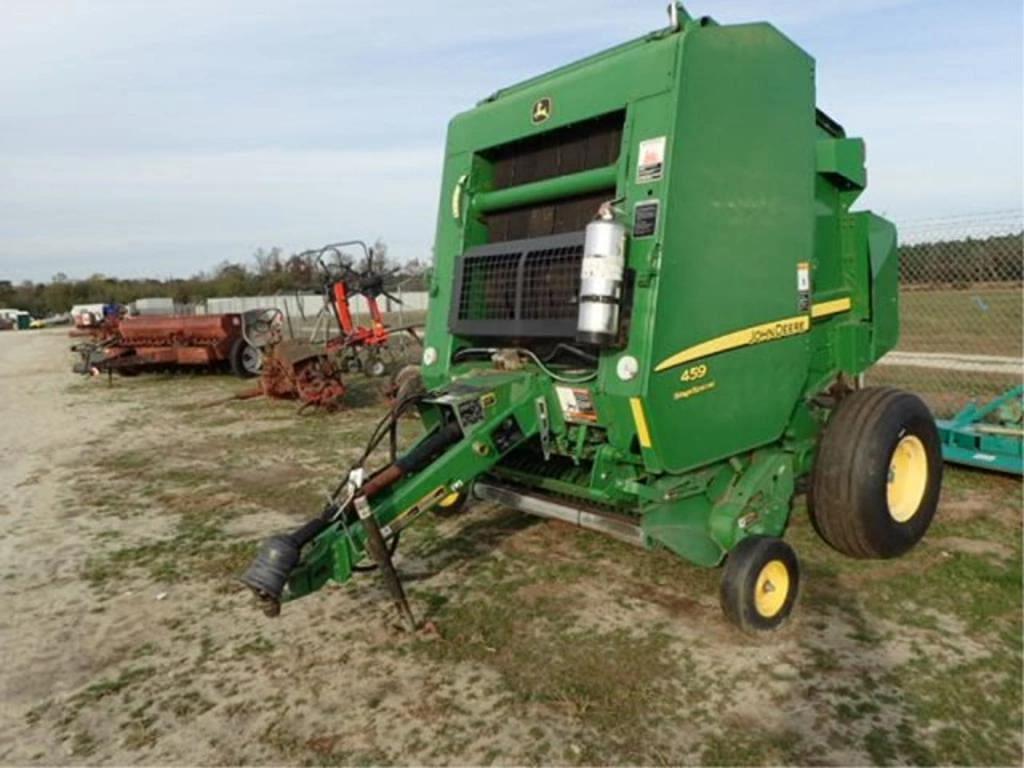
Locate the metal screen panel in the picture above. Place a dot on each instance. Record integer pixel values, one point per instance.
(489, 287)
(519, 289)
(551, 283)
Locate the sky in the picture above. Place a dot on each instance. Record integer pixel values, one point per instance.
(161, 137)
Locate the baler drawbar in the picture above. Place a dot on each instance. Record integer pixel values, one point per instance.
(650, 310)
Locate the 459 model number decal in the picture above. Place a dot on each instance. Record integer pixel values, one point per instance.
(694, 373)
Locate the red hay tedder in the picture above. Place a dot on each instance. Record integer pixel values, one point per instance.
(311, 372)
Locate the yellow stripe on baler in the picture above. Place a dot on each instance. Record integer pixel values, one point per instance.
(641, 421)
(826, 308)
(756, 334)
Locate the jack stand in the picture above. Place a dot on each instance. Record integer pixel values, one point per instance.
(378, 550)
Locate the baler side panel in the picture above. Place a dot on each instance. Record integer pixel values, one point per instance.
(741, 221)
(885, 280)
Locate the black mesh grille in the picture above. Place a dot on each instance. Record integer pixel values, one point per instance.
(489, 287)
(520, 289)
(551, 283)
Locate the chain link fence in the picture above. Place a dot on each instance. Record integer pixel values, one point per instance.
(960, 310)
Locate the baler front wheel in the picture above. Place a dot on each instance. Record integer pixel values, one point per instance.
(452, 504)
(876, 479)
(760, 584)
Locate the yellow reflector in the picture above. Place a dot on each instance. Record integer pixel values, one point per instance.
(641, 421)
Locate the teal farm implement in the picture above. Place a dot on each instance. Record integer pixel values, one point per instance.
(649, 309)
(990, 436)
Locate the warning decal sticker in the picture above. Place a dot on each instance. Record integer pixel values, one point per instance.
(803, 286)
(577, 404)
(650, 163)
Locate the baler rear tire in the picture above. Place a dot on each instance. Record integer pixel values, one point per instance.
(877, 474)
(760, 584)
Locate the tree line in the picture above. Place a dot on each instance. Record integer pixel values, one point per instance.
(268, 272)
(995, 259)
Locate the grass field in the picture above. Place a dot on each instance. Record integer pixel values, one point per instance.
(551, 645)
(973, 321)
(980, 321)
(946, 392)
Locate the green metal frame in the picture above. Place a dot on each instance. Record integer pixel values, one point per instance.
(342, 546)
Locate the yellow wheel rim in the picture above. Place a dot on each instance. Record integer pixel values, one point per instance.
(449, 500)
(908, 478)
(772, 588)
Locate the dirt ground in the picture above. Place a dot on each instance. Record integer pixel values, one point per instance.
(126, 512)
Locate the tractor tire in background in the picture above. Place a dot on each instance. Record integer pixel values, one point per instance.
(246, 361)
(876, 478)
(760, 584)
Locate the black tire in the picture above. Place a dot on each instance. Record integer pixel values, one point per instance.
(859, 502)
(239, 359)
(756, 570)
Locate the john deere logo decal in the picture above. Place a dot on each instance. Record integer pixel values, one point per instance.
(541, 110)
